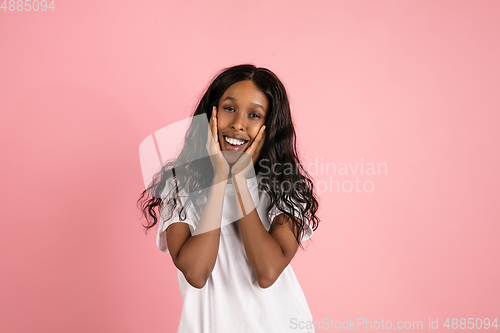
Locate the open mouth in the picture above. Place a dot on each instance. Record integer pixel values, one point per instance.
(234, 144)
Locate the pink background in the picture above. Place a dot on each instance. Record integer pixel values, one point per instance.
(413, 84)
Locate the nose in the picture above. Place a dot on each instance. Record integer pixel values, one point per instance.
(238, 123)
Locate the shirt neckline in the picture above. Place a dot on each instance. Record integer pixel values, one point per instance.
(251, 183)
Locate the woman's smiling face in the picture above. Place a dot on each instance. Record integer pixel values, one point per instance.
(241, 113)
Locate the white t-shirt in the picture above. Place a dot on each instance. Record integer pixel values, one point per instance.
(232, 300)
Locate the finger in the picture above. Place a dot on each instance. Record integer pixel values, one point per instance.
(209, 132)
(262, 138)
(215, 131)
(262, 133)
(213, 124)
(258, 141)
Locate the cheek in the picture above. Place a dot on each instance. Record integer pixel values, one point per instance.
(255, 129)
(222, 121)
(253, 132)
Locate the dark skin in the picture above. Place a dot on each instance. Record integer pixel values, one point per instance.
(241, 117)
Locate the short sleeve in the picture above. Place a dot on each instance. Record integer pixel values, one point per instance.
(307, 232)
(165, 222)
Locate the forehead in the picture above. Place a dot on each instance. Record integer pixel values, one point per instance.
(246, 92)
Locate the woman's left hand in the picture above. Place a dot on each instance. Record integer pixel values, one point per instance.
(250, 156)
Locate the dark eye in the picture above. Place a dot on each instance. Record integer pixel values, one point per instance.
(255, 115)
(229, 108)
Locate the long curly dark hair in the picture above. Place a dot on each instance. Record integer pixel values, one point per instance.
(278, 154)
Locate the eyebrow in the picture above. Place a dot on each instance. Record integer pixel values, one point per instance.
(232, 99)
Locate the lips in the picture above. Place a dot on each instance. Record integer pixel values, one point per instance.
(231, 146)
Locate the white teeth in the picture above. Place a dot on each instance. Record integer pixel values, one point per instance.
(234, 141)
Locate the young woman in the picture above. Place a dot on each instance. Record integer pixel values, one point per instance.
(234, 208)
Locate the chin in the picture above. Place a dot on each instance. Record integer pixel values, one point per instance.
(231, 156)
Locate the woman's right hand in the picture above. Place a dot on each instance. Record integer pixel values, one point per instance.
(219, 162)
